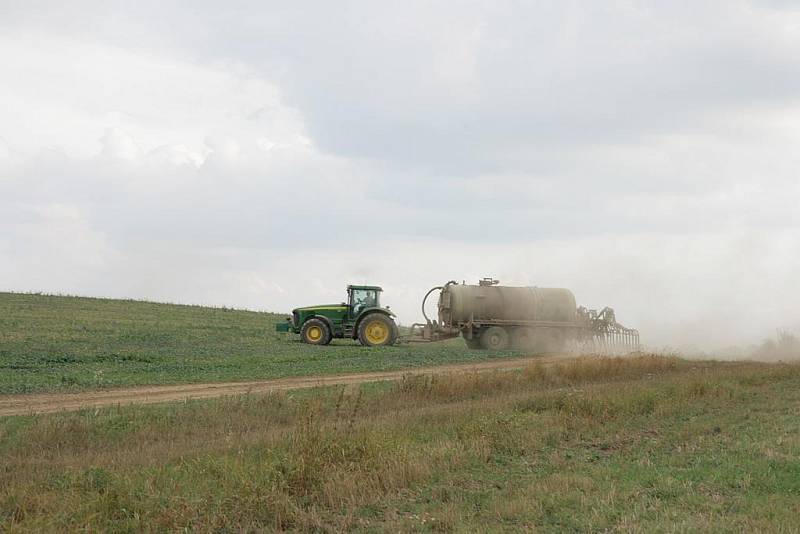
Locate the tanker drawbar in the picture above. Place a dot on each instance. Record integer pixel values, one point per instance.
(494, 317)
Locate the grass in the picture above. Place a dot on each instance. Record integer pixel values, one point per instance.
(55, 343)
(638, 444)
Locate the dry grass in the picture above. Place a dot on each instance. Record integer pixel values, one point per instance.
(598, 443)
(568, 373)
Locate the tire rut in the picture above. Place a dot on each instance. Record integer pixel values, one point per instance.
(61, 402)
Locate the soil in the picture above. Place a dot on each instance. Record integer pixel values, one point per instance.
(58, 402)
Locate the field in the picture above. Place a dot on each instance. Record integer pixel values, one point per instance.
(639, 444)
(52, 343)
(642, 443)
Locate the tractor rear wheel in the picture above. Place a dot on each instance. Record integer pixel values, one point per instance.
(316, 332)
(494, 338)
(377, 330)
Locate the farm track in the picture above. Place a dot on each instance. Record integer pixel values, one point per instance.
(62, 402)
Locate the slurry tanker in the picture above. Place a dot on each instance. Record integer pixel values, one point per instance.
(539, 319)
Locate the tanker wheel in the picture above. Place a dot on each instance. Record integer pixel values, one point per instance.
(315, 332)
(523, 338)
(473, 344)
(494, 338)
(377, 330)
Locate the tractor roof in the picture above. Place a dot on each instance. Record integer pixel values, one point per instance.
(376, 288)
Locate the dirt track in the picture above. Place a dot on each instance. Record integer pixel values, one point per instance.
(49, 402)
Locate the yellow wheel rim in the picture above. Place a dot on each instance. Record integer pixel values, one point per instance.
(314, 333)
(377, 333)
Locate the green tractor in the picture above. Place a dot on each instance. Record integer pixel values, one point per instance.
(361, 317)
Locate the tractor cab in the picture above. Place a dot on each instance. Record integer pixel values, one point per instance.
(360, 298)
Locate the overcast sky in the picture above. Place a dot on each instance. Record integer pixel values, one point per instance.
(265, 154)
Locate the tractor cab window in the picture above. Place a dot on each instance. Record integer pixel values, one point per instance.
(362, 299)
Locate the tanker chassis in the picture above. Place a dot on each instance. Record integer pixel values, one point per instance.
(493, 317)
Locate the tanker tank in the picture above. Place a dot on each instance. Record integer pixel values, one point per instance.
(462, 303)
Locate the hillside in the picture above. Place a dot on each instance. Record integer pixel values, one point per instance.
(58, 343)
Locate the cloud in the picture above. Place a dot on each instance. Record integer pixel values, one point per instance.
(380, 83)
(266, 155)
(119, 145)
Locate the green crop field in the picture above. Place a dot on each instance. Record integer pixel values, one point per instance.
(641, 444)
(54, 343)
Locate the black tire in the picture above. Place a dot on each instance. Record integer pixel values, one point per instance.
(523, 338)
(316, 332)
(494, 338)
(377, 330)
(473, 344)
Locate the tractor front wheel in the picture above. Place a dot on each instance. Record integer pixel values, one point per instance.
(377, 330)
(316, 332)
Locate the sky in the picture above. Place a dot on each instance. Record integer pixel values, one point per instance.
(263, 155)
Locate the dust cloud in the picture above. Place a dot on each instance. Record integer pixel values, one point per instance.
(784, 346)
